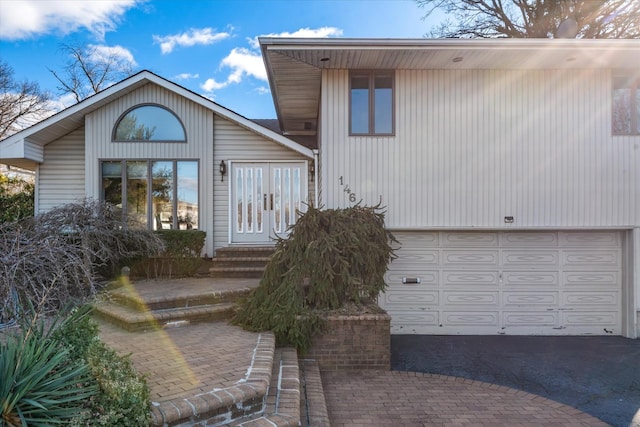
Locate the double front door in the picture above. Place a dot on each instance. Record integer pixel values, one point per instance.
(265, 198)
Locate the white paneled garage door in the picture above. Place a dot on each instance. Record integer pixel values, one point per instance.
(515, 283)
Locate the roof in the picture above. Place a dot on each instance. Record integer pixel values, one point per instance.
(294, 65)
(25, 148)
(309, 141)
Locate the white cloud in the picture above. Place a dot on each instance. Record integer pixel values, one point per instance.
(190, 38)
(22, 19)
(211, 84)
(263, 90)
(120, 55)
(322, 32)
(63, 102)
(186, 76)
(245, 62)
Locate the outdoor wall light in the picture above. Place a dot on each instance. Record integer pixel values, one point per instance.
(223, 170)
(312, 167)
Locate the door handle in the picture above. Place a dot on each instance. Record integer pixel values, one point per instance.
(264, 201)
(271, 200)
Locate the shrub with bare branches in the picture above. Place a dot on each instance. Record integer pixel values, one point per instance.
(66, 255)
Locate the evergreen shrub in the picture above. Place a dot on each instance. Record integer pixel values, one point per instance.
(331, 259)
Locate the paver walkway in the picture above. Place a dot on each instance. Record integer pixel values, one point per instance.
(403, 399)
(188, 360)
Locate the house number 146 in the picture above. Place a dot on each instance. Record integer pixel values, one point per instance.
(346, 189)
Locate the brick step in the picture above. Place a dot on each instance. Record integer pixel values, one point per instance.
(239, 262)
(125, 297)
(313, 405)
(134, 320)
(244, 251)
(236, 272)
(270, 396)
(283, 400)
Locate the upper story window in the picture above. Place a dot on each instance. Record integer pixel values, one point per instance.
(149, 123)
(626, 105)
(371, 103)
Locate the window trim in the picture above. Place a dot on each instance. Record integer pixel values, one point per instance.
(634, 126)
(149, 195)
(153, 141)
(372, 101)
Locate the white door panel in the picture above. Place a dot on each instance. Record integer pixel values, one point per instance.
(265, 198)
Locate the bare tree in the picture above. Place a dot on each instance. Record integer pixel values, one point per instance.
(65, 256)
(592, 19)
(90, 69)
(22, 103)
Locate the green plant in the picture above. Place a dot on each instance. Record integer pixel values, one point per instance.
(181, 256)
(64, 374)
(123, 395)
(16, 198)
(122, 398)
(331, 258)
(41, 385)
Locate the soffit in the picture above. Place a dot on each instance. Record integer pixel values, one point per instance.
(294, 66)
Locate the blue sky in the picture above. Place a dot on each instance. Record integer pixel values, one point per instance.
(208, 46)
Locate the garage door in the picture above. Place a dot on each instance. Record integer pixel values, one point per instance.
(515, 283)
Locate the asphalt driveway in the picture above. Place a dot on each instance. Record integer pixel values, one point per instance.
(598, 375)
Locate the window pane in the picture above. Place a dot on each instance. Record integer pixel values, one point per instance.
(187, 195)
(137, 191)
(250, 205)
(239, 198)
(277, 191)
(259, 201)
(112, 183)
(149, 123)
(162, 194)
(621, 109)
(360, 103)
(383, 107)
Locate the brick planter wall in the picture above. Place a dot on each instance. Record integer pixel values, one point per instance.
(353, 343)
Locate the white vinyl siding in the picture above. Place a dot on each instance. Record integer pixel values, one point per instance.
(514, 283)
(60, 179)
(474, 146)
(198, 124)
(235, 143)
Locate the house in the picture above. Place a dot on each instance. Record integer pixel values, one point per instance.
(171, 158)
(510, 170)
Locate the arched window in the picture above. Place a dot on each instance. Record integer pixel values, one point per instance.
(148, 123)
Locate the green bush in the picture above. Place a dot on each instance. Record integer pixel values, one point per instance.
(330, 259)
(66, 375)
(180, 258)
(16, 198)
(122, 397)
(41, 385)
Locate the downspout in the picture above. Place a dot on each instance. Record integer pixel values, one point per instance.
(315, 177)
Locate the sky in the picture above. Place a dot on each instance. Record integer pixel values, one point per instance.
(207, 46)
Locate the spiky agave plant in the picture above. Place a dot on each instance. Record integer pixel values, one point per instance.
(40, 385)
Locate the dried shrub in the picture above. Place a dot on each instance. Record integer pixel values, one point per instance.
(65, 256)
(331, 258)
